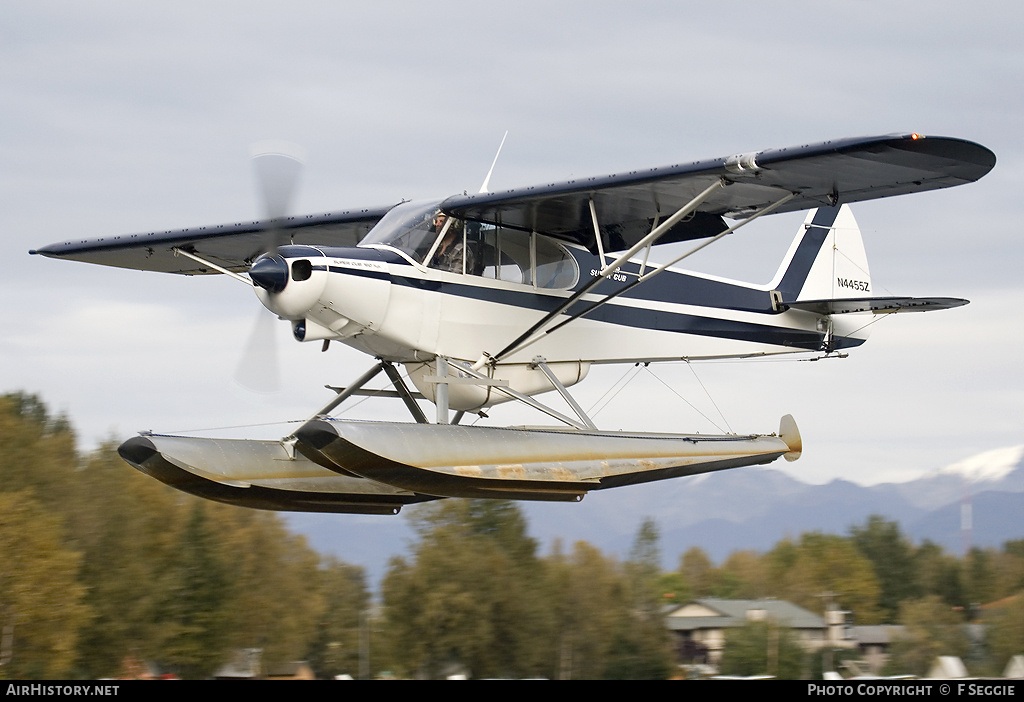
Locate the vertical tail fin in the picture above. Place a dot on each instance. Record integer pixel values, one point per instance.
(827, 263)
(826, 273)
(826, 260)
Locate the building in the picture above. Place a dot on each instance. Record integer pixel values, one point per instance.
(700, 626)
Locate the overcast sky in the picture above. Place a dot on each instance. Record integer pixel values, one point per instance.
(120, 118)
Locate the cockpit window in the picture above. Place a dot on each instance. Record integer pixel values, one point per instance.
(431, 238)
(553, 266)
(408, 227)
(505, 254)
(520, 257)
(452, 252)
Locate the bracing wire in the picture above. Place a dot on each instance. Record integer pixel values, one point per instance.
(690, 404)
(338, 413)
(235, 426)
(875, 319)
(359, 402)
(617, 386)
(712, 399)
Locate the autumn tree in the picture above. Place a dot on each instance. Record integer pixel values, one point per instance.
(1006, 631)
(744, 576)
(126, 526)
(764, 647)
(588, 592)
(194, 617)
(42, 609)
(891, 557)
(344, 621)
(274, 584)
(931, 629)
(939, 574)
(37, 451)
(469, 600)
(134, 569)
(697, 571)
(824, 566)
(41, 600)
(1010, 568)
(673, 588)
(642, 647)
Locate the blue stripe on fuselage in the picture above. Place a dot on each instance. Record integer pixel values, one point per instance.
(620, 315)
(669, 287)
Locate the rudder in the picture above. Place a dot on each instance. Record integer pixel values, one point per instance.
(826, 260)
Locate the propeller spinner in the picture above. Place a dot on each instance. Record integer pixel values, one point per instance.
(270, 272)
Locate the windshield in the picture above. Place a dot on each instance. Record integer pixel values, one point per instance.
(473, 248)
(409, 227)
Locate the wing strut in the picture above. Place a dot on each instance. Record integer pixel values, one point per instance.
(647, 276)
(657, 233)
(597, 230)
(182, 252)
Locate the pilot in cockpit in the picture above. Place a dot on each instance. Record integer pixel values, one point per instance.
(452, 252)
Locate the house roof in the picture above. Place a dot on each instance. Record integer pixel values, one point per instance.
(713, 613)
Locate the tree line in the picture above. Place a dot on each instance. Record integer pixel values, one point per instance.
(103, 569)
(877, 576)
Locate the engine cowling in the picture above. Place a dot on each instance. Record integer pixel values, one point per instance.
(290, 282)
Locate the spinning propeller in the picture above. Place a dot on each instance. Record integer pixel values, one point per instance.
(277, 168)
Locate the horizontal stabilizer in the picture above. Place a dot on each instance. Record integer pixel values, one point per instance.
(878, 305)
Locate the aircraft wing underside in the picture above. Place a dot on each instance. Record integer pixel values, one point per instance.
(625, 205)
(231, 246)
(829, 173)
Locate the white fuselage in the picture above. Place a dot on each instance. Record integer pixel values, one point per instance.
(380, 300)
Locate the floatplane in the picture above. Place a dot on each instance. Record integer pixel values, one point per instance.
(503, 296)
